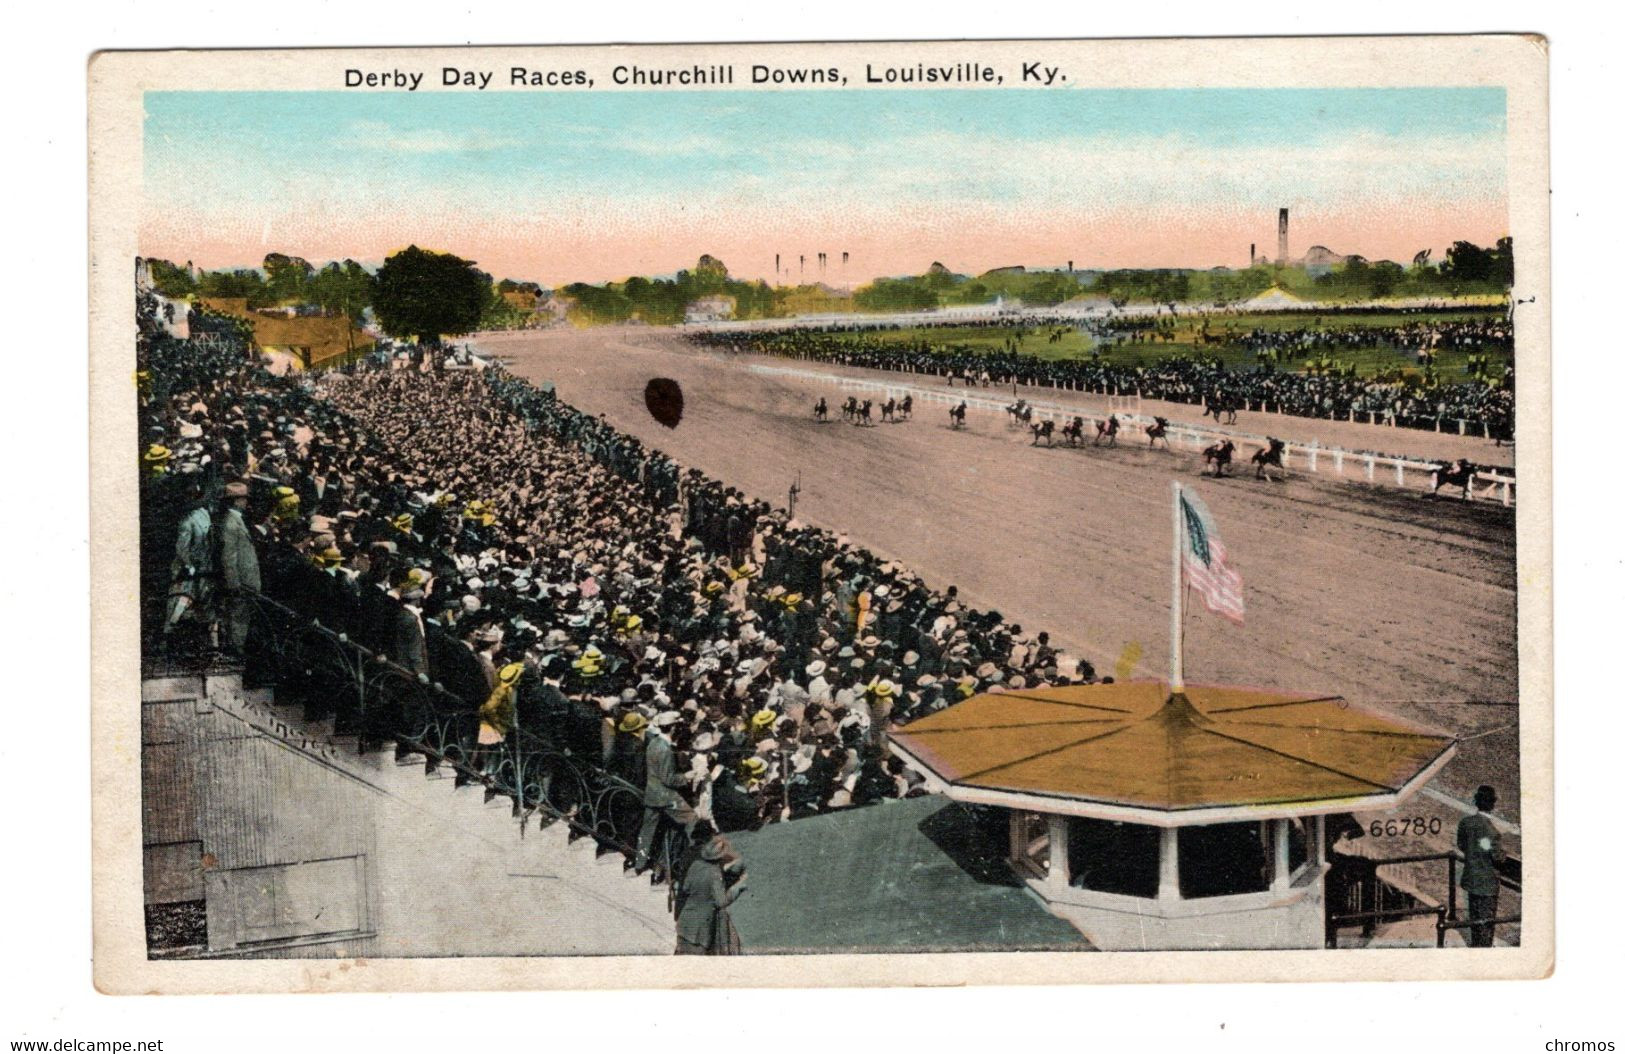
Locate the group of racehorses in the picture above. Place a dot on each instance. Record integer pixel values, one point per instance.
(892, 411)
(1216, 458)
(1072, 431)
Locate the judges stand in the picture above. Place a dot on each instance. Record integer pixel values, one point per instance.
(1152, 818)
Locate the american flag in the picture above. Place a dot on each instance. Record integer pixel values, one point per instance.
(1204, 562)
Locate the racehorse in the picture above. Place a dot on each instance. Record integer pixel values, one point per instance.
(906, 408)
(888, 410)
(821, 411)
(1044, 431)
(1020, 413)
(1459, 473)
(849, 409)
(863, 412)
(1267, 456)
(1106, 430)
(1218, 455)
(956, 416)
(1072, 431)
(1222, 405)
(1158, 430)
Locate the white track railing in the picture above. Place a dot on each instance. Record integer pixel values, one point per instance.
(1321, 460)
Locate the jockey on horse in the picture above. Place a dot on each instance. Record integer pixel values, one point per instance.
(863, 412)
(906, 408)
(821, 411)
(1072, 431)
(1158, 430)
(888, 409)
(849, 409)
(956, 416)
(1107, 430)
(1218, 455)
(1459, 473)
(1044, 431)
(1270, 455)
(1221, 404)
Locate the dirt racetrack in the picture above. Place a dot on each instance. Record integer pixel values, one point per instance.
(1384, 596)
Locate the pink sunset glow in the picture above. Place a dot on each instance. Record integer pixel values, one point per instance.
(556, 250)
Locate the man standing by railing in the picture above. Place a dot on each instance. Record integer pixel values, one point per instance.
(1480, 844)
(192, 572)
(661, 786)
(239, 569)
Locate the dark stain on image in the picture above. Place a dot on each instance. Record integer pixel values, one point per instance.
(664, 398)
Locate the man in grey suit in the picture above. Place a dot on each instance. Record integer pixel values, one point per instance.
(239, 570)
(1480, 845)
(661, 783)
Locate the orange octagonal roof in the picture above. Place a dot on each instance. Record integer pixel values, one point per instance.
(1133, 751)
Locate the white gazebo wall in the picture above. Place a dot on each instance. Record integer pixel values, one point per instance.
(1289, 914)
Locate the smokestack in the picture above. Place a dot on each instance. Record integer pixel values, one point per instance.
(1280, 252)
(776, 271)
(1252, 254)
(803, 271)
(1069, 267)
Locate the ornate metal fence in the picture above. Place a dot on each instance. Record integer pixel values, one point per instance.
(376, 701)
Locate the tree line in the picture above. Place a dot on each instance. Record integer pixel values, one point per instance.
(423, 294)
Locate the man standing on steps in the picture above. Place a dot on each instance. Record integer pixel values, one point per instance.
(239, 570)
(1480, 844)
(661, 782)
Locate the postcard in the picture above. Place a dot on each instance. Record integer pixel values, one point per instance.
(821, 514)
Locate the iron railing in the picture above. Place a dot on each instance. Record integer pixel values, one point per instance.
(1366, 892)
(375, 700)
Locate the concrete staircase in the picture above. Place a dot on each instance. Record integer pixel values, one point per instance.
(545, 846)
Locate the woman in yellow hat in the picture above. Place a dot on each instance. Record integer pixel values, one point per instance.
(156, 459)
(752, 771)
(286, 508)
(496, 716)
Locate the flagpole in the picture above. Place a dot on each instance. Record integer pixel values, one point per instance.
(1176, 658)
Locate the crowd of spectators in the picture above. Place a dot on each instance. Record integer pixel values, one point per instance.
(1482, 406)
(559, 579)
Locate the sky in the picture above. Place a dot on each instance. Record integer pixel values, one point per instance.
(581, 186)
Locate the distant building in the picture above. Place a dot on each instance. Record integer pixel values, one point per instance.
(1272, 297)
(710, 309)
(175, 314)
(1320, 260)
(521, 299)
(298, 342)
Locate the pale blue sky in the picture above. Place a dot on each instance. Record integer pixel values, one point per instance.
(463, 161)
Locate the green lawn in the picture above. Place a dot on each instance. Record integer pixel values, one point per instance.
(1074, 344)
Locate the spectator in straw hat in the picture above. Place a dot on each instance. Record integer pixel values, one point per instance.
(880, 695)
(496, 716)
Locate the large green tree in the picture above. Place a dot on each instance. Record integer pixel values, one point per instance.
(423, 294)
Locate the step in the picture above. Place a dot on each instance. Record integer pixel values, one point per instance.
(171, 688)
